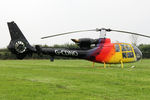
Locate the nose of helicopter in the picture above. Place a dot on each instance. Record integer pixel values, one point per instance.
(138, 53)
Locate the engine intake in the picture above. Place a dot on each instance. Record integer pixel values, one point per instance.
(85, 43)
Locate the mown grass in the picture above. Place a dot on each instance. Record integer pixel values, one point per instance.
(73, 80)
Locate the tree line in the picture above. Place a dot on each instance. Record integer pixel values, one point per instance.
(6, 54)
(145, 49)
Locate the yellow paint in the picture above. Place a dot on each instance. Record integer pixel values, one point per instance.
(122, 64)
(93, 64)
(117, 57)
(104, 65)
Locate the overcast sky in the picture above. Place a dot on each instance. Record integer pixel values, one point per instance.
(37, 18)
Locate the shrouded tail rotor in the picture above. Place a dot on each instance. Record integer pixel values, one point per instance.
(19, 44)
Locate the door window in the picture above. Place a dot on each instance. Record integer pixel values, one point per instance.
(130, 54)
(117, 48)
(127, 51)
(123, 47)
(124, 55)
(128, 48)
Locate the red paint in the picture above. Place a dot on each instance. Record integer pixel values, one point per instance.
(104, 52)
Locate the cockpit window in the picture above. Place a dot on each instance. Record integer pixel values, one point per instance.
(117, 48)
(130, 54)
(123, 47)
(124, 55)
(127, 51)
(128, 47)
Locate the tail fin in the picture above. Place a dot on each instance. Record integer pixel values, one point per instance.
(19, 44)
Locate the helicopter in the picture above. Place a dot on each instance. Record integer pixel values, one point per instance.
(99, 50)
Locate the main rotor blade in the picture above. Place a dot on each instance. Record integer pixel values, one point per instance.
(130, 33)
(68, 33)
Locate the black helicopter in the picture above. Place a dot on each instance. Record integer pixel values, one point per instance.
(103, 50)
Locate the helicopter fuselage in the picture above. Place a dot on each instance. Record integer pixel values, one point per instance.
(104, 52)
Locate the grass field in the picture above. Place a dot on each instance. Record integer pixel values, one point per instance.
(73, 80)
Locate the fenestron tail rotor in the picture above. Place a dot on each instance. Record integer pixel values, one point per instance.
(97, 30)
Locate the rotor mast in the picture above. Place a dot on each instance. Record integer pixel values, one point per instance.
(102, 33)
